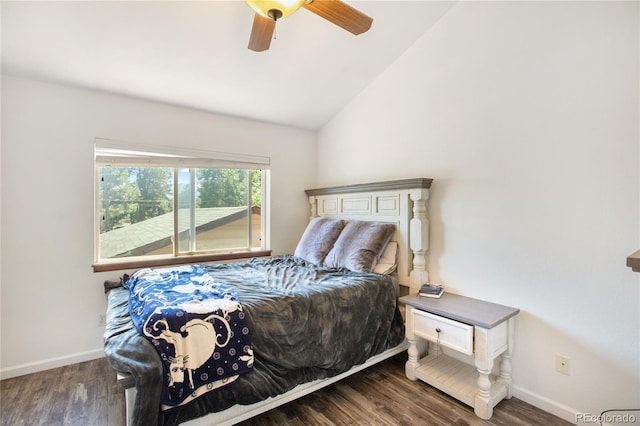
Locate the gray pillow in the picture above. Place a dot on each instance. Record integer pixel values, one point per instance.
(360, 245)
(318, 239)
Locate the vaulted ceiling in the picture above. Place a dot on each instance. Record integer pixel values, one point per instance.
(194, 53)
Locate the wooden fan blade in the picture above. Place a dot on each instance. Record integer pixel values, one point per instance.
(340, 14)
(261, 33)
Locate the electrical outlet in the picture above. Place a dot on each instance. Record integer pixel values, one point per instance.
(102, 320)
(562, 364)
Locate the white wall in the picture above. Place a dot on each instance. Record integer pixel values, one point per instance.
(50, 297)
(526, 115)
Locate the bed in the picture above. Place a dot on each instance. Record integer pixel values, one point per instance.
(287, 301)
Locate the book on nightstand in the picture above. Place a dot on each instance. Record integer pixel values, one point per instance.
(431, 290)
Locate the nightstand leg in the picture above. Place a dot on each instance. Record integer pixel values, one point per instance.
(482, 406)
(505, 365)
(413, 353)
(484, 364)
(412, 363)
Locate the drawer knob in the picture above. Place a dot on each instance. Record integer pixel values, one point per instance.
(438, 330)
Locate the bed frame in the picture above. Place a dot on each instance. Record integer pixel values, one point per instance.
(401, 202)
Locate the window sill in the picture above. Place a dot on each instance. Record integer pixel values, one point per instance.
(177, 260)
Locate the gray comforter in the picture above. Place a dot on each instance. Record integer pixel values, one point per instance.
(306, 323)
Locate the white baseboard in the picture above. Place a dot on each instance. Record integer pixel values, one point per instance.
(546, 404)
(34, 367)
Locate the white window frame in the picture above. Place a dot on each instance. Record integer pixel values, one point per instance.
(115, 153)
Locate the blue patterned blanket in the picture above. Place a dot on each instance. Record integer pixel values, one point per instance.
(197, 326)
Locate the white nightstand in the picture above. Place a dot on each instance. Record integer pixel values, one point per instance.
(474, 327)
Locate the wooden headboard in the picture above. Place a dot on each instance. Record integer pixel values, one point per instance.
(401, 202)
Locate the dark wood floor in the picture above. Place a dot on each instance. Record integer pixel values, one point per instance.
(87, 394)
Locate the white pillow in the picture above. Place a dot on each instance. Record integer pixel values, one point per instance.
(387, 262)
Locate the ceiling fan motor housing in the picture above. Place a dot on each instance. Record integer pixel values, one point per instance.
(274, 14)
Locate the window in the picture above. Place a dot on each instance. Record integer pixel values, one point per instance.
(159, 206)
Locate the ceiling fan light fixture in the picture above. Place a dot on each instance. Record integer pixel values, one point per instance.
(275, 9)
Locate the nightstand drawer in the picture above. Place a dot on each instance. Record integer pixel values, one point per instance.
(451, 334)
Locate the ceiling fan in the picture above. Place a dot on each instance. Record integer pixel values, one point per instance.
(334, 11)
